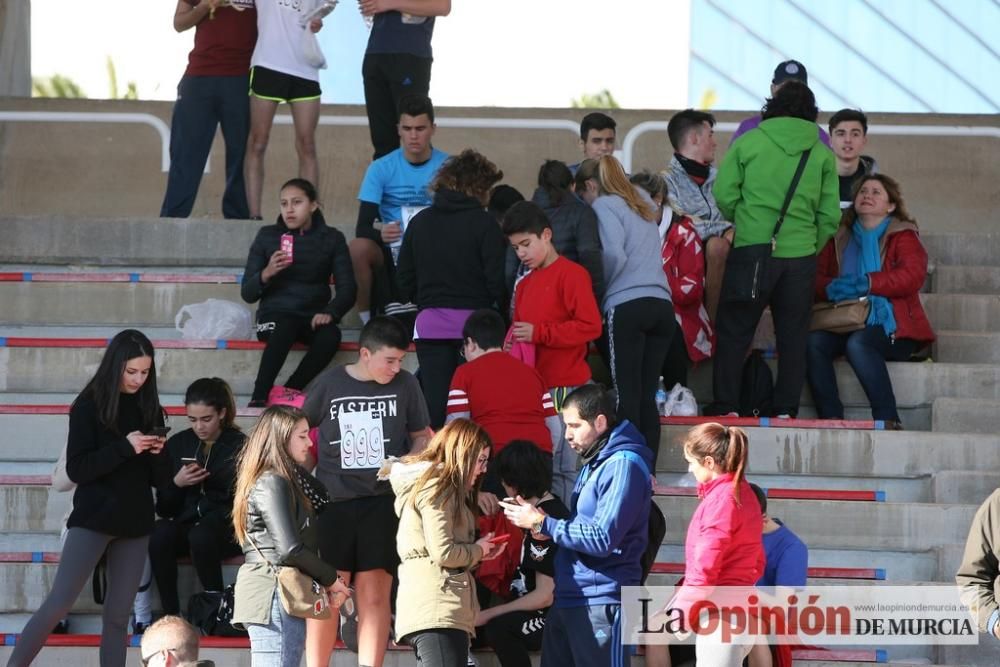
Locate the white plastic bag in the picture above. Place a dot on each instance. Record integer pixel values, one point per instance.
(214, 319)
(311, 51)
(681, 402)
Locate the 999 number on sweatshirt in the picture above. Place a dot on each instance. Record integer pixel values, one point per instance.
(361, 442)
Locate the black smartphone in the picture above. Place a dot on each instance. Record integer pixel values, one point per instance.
(159, 431)
(185, 460)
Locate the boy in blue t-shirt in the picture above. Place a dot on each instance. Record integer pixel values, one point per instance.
(787, 564)
(394, 188)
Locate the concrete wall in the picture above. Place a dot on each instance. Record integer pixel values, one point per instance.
(114, 169)
(15, 48)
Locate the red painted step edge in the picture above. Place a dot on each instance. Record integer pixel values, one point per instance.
(818, 654)
(751, 422)
(785, 494)
(814, 572)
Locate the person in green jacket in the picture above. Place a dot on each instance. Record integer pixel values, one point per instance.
(751, 186)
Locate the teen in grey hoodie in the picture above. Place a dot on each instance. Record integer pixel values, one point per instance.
(638, 315)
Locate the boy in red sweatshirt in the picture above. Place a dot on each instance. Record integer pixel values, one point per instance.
(554, 309)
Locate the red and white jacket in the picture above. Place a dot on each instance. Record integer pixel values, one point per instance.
(684, 263)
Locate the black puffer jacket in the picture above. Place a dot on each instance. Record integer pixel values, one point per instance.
(453, 256)
(303, 288)
(574, 235)
(190, 503)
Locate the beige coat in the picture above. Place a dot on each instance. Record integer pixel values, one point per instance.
(437, 551)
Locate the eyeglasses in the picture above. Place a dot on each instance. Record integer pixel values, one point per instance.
(146, 660)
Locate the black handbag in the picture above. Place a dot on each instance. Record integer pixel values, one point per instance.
(746, 267)
(212, 613)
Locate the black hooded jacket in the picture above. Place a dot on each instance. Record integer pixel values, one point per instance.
(303, 288)
(453, 256)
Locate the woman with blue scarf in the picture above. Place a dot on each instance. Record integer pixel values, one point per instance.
(876, 253)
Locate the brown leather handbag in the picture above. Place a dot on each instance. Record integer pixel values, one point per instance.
(840, 316)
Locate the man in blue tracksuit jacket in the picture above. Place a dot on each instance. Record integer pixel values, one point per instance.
(601, 544)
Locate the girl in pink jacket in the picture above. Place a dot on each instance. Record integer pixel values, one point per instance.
(723, 543)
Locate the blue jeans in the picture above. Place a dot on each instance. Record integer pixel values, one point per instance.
(866, 350)
(281, 642)
(584, 637)
(203, 103)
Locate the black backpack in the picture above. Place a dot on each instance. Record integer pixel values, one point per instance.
(656, 528)
(756, 387)
(212, 613)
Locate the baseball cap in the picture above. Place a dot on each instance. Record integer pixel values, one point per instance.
(790, 69)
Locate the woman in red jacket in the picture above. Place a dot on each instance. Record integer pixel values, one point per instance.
(723, 544)
(876, 253)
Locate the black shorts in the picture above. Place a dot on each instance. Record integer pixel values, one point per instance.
(280, 87)
(360, 534)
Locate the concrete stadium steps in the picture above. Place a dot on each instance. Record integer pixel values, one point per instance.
(967, 347)
(968, 249)
(140, 304)
(936, 564)
(965, 415)
(850, 525)
(27, 584)
(916, 384)
(886, 489)
(59, 656)
(888, 454)
(62, 369)
(33, 369)
(821, 523)
(966, 279)
(963, 312)
(107, 242)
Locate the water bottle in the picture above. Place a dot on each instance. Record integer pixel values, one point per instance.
(661, 399)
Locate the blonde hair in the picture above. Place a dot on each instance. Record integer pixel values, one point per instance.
(727, 445)
(453, 453)
(612, 180)
(266, 450)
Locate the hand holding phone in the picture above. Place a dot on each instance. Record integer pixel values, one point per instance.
(191, 473)
(159, 431)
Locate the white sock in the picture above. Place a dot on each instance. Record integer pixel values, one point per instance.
(365, 316)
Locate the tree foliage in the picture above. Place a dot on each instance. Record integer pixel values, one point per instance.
(600, 100)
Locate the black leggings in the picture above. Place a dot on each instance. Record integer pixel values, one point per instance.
(438, 359)
(513, 635)
(440, 647)
(284, 331)
(639, 334)
(208, 542)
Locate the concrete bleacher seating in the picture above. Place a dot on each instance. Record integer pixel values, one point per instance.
(874, 505)
(893, 505)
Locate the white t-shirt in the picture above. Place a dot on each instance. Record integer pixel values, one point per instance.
(280, 35)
